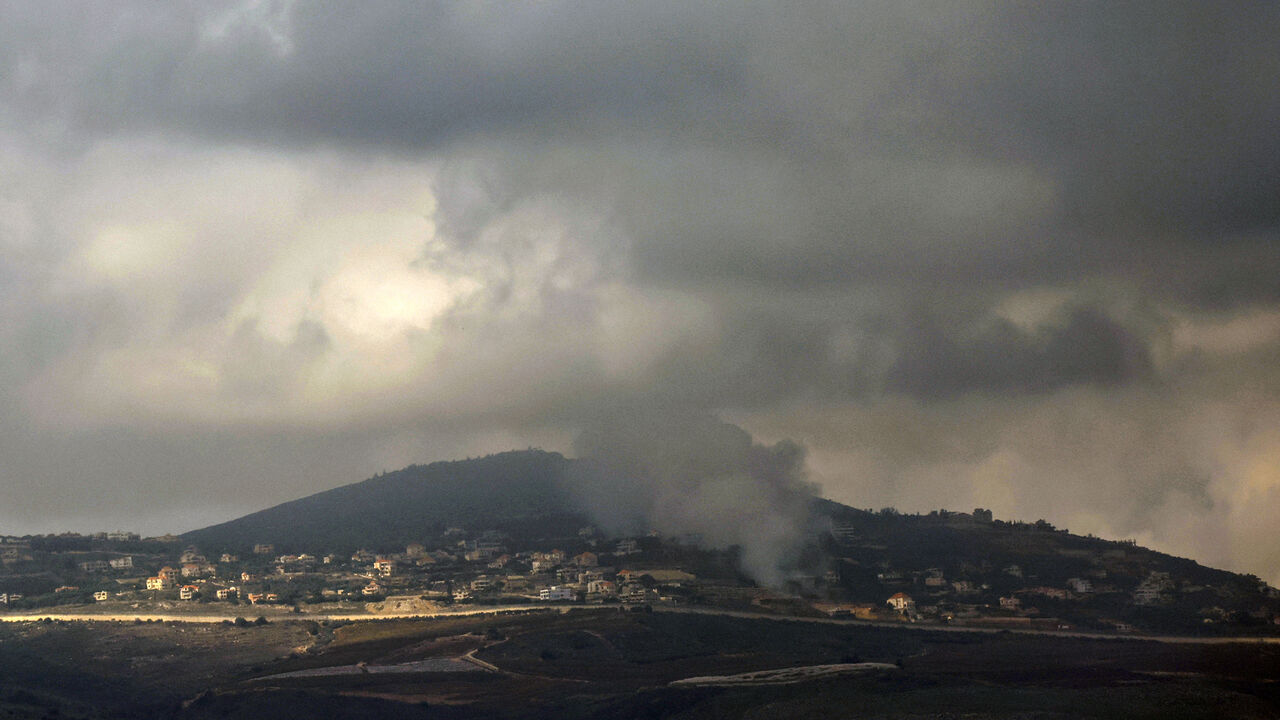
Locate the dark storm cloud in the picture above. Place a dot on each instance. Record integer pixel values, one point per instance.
(1236, 271)
(1087, 347)
(389, 73)
(884, 144)
(823, 144)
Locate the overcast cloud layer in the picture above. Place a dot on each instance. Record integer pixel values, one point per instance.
(1024, 257)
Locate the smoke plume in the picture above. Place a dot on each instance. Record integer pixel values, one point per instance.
(696, 475)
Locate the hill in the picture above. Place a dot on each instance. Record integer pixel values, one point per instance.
(954, 562)
(521, 491)
(953, 565)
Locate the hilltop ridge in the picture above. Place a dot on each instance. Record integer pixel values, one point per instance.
(950, 566)
(517, 489)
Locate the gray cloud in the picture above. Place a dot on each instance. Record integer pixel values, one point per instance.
(477, 225)
(970, 143)
(1086, 347)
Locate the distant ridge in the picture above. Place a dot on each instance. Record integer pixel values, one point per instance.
(528, 497)
(513, 489)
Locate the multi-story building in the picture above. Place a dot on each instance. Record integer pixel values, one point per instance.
(160, 582)
(557, 592)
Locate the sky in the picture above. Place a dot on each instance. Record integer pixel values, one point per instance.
(1020, 256)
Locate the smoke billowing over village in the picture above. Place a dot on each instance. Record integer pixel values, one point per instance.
(911, 255)
(481, 360)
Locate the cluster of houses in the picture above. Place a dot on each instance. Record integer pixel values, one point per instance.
(1155, 589)
(944, 601)
(551, 575)
(462, 571)
(486, 568)
(196, 577)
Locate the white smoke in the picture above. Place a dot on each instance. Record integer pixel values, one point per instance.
(694, 474)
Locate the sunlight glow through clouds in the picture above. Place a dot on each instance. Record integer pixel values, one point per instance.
(335, 293)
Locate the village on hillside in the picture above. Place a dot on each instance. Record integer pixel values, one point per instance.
(859, 576)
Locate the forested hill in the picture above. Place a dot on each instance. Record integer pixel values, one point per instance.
(519, 491)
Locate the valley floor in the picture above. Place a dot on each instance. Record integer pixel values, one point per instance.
(597, 663)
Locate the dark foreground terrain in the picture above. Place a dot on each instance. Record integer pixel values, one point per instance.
(610, 663)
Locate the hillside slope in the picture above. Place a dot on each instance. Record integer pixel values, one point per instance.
(521, 491)
(947, 562)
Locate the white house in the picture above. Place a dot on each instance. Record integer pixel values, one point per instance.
(635, 594)
(901, 602)
(601, 588)
(1151, 590)
(1146, 595)
(1080, 585)
(160, 583)
(556, 592)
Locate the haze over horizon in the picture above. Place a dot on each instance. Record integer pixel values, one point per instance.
(1021, 257)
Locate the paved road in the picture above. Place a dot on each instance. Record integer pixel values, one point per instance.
(1177, 639)
(197, 618)
(193, 618)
